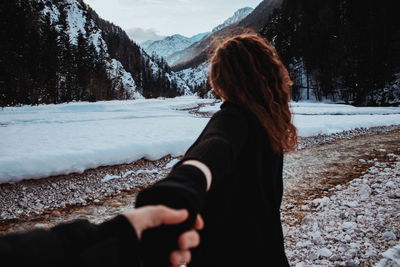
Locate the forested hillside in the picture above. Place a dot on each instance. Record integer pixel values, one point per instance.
(61, 51)
(339, 50)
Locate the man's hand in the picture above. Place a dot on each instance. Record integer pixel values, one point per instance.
(153, 216)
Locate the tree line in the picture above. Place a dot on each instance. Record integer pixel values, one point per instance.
(40, 65)
(347, 50)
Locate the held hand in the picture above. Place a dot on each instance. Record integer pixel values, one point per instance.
(152, 216)
(187, 241)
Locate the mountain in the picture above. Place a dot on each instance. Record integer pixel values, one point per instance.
(195, 57)
(60, 51)
(237, 16)
(176, 48)
(257, 19)
(171, 45)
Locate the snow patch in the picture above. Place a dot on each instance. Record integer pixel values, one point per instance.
(45, 140)
(171, 163)
(109, 177)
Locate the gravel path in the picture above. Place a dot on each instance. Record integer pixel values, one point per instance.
(348, 224)
(341, 204)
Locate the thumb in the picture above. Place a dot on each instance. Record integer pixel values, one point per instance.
(165, 215)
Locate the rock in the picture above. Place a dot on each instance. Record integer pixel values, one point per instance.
(360, 218)
(88, 190)
(116, 204)
(391, 184)
(389, 235)
(391, 257)
(300, 264)
(317, 238)
(349, 225)
(313, 256)
(351, 264)
(41, 225)
(56, 213)
(351, 253)
(321, 201)
(308, 219)
(324, 252)
(21, 204)
(365, 191)
(351, 204)
(73, 187)
(370, 253)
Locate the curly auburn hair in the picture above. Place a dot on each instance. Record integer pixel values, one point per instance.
(246, 70)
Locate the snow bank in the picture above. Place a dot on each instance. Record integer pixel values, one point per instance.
(50, 140)
(58, 139)
(309, 108)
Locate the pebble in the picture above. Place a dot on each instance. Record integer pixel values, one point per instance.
(313, 256)
(351, 264)
(116, 204)
(41, 225)
(349, 225)
(365, 191)
(390, 184)
(324, 252)
(389, 235)
(56, 213)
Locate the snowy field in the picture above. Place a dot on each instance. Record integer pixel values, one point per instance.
(49, 140)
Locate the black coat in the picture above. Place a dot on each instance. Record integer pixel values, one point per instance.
(242, 208)
(80, 243)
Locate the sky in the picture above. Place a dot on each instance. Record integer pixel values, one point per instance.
(152, 19)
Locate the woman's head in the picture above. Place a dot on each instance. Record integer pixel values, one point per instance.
(246, 70)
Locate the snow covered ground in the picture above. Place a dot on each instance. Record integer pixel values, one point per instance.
(49, 140)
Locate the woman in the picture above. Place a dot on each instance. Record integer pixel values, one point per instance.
(232, 174)
(113, 243)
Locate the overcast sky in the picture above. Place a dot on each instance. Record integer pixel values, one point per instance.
(151, 19)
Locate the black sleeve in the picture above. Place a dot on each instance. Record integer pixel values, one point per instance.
(185, 187)
(80, 243)
(220, 144)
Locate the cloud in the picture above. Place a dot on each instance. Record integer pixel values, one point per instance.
(140, 35)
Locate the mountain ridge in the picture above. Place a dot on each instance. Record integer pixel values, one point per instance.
(173, 48)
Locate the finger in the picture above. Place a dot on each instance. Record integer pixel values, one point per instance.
(187, 240)
(180, 257)
(199, 224)
(165, 215)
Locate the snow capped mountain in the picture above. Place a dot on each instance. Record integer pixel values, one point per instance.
(237, 16)
(126, 75)
(171, 47)
(195, 76)
(171, 44)
(78, 22)
(177, 48)
(198, 37)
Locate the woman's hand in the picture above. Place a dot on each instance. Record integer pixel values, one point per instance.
(153, 216)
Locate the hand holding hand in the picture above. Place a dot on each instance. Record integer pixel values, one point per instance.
(152, 216)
